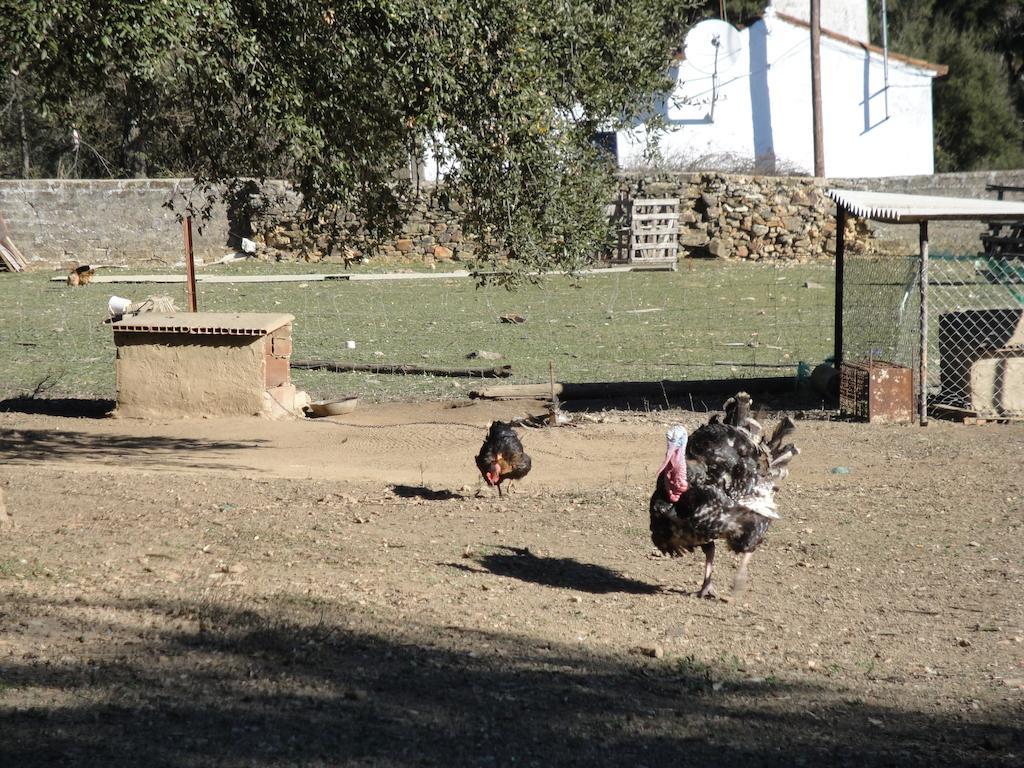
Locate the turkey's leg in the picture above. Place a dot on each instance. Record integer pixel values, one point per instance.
(499, 490)
(740, 582)
(706, 589)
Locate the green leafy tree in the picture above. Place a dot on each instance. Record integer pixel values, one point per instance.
(334, 96)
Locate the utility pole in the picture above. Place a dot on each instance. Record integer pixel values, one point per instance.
(819, 142)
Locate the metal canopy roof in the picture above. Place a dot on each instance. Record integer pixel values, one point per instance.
(204, 323)
(909, 209)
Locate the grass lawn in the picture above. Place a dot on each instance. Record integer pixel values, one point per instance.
(708, 320)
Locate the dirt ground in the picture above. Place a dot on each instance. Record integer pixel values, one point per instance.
(344, 592)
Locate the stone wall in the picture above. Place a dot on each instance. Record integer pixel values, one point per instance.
(431, 232)
(746, 217)
(57, 222)
(724, 216)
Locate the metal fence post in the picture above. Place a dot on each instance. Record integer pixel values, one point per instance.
(923, 353)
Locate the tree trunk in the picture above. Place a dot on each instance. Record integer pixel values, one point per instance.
(134, 146)
(26, 164)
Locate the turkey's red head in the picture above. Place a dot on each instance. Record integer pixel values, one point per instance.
(673, 470)
(493, 474)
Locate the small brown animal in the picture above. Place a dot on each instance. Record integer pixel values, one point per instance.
(502, 456)
(81, 275)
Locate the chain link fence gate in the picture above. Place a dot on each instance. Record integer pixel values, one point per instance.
(975, 330)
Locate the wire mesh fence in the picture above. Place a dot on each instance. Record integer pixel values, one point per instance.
(978, 334)
(975, 331)
(708, 320)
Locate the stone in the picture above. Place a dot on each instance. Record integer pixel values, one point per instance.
(442, 252)
(404, 245)
(693, 238)
(720, 248)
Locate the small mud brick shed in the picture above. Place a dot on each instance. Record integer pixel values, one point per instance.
(189, 364)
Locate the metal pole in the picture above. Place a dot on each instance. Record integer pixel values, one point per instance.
(190, 266)
(837, 356)
(819, 146)
(885, 55)
(922, 377)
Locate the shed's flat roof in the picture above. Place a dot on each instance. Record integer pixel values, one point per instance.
(908, 209)
(207, 323)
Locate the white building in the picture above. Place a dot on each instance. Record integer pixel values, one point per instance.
(743, 99)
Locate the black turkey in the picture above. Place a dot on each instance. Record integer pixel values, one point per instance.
(502, 456)
(720, 483)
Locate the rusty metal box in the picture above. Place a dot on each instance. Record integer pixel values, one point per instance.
(877, 391)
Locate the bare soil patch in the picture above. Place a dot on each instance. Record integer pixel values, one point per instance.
(344, 592)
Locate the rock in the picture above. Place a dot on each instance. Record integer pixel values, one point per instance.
(442, 252)
(720, 248)
(404, 245)
(483, 354)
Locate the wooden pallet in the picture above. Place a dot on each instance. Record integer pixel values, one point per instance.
(968, 416)
(652, 232)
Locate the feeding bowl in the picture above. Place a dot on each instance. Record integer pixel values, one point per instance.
(333, 407)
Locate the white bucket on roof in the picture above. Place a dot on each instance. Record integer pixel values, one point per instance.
(117, 305)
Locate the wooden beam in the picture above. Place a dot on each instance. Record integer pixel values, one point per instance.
(819, 145)
(190, 265)
(653, 391)
(499, 372)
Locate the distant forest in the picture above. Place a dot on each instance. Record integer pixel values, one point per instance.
(978, 107)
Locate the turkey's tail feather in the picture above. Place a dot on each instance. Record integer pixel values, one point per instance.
(785, 428)
(780, 455)
(737, 410)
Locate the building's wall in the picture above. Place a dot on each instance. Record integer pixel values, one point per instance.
(757, 116)
(165, 375)
(847, 17)
(861, 139)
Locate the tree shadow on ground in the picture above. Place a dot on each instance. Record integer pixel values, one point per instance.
(24, 445)
(71, 407)
(326, 684)
(425, 493)
(563, 572)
